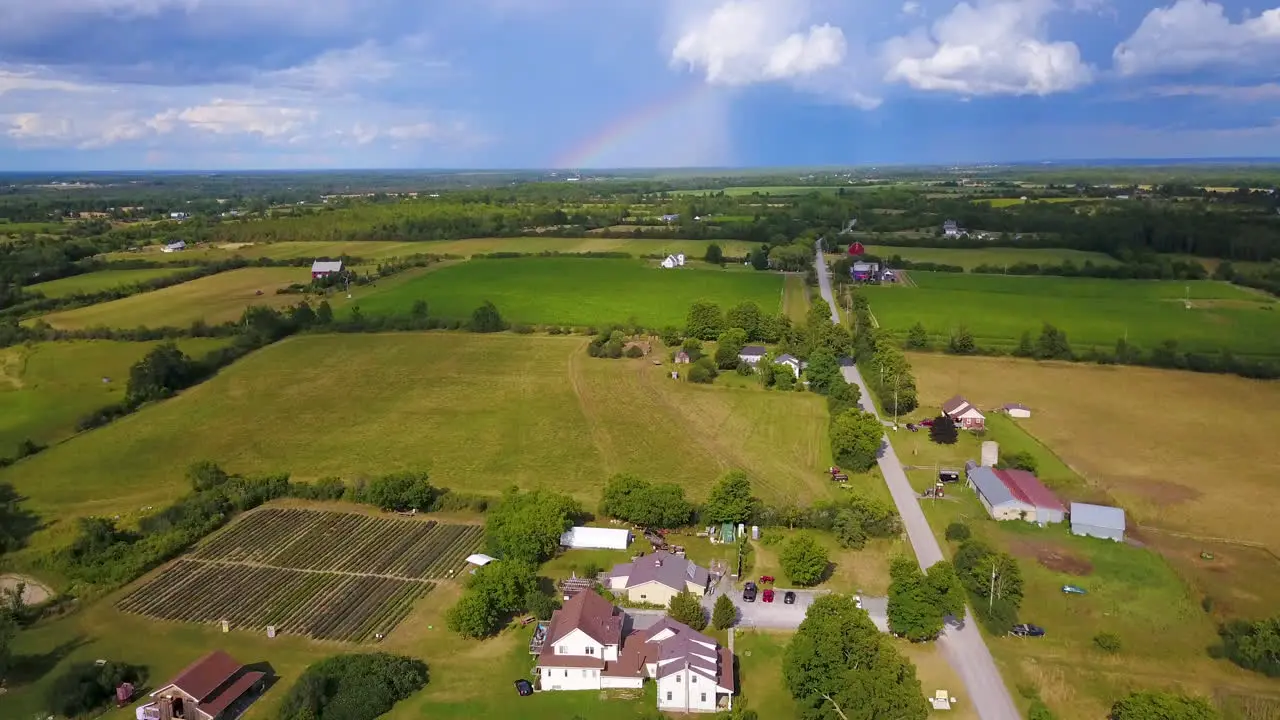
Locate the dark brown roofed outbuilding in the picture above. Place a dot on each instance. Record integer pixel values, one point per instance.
(205, 675)
(224, 699)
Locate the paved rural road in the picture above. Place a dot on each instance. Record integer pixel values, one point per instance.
(963, 646)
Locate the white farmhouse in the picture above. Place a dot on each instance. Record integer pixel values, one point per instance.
(586, 649)
(752, 354)
(177, 246)
(791, 362)
(673, 261)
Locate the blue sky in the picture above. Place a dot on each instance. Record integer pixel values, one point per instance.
(220, 84)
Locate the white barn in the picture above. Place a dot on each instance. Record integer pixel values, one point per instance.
(673, 261)
(598, 538)
(1017, 410)
(1100, 521)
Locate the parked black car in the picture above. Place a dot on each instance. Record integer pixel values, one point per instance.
(524, 687)
(789, 598)
(749, 592)
(1027, 630)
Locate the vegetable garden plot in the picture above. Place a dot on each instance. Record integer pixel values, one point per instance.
(324, 606)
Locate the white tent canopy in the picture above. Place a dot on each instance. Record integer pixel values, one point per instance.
(480, 559)
(593, 537)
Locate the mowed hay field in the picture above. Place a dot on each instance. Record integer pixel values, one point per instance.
(45, 388)
(577, 291)
(214, 299)
(969, 259)
(998, 309)
(1182, 452)
(480, 413)
(98, 281)
(383, 250)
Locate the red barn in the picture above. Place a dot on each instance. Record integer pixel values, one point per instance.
(325, 268)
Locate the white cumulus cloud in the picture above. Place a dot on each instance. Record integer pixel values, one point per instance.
(992, 47)
(739, 42)
(1192, 34)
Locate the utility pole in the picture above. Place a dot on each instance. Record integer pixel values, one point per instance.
(991, 593)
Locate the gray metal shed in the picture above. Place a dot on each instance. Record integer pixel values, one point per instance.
(1100, 521)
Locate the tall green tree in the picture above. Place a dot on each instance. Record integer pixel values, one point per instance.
(730, 500)
(714, 254)
(747, 315)
(823, 372)
(962, 342)
(856, 437)
(324, 313)
(1052, 344)
(705, 321)
(912, 612)
(724, 614)
(159, 374)
(944, 431)
(804, 560)
(1151, 705)
(487, 319)
(685, 607)
(838, 666)
(945, 591)
(1253, 645)
(728, 346)
(918, 337)
(760, 257)
(527, 526)
(1025, 348)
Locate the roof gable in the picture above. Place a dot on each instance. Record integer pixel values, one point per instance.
(1027, 488)
(1102, 516)
(207, 674)
(954, 405)
(591, 614)
(990, 485)
(669, 570)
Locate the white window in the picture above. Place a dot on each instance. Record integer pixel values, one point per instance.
(594, 673)
(584, 673)
(643, 596)
(704, 697)
(591, 650)
(677, 679)
(668, 696)
(564, 650)
(693, 679)
(566, 673)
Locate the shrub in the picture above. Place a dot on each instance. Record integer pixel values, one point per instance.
(687, 608)
(804, 560)
(944, 431)
(633, 352)
(1253, 645)
(958, 532)
(353, 687)
(1162, 706)
(724, 614)
(87, 686)
(1107, 642)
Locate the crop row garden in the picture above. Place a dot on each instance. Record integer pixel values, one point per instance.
(320, 605)
(345, 542)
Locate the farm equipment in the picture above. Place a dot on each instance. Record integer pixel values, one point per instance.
(766, 579)
(934, 492)
(1074, 590)
(837, 475)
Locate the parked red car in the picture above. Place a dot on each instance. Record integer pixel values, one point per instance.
(926, 423)
(766, 579)
(767, 595)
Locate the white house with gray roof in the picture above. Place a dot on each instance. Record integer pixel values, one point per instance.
(657, 578)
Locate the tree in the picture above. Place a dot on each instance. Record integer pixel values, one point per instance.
(507, 584)
(918, 337)
(724, 614)
(302, 315)
(473, 616)
(671, 336)
(730, 500)
(728, 346)
(961, 342)
(912, 614)
(783, 378)
(1253, 645)
(945, 591)
(747, 315)
(705, 321)
(1052, 344)
(353, 687)
(629, 498)
(205, 475)
(87, 686)
(159, 374)
(760, 258)
(527, 526)
(714, 254)
(693, 347)
(324, 313)
(958, 532)
(994, 581)
(1018, 460)
(843, 396)
(804, 560)
(486, 319)
(856, 437)
(1150, 705)
(823, 372)
(1025, 348)
(944, 431)
(838, 666)
(703, 371)
(419, 310)
(686, 608)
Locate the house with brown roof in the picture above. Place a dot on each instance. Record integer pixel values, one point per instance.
(588, 647)
(657, 578)
(215, 687)
(964, 414)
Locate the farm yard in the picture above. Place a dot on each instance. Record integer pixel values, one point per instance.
(545, 414)
(971, 258)
(325, 575)
(213, 299)
(98, 281)
(1093, 312)
(604, 291)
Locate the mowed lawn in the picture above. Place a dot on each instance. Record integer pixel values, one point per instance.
(577, 291)
(45, 388)
(1093, 312)
(480, 413)
(98, 281)
(1182, 451)
(969, 259)
(214, 299)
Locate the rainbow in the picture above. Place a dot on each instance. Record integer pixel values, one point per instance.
(590, 151)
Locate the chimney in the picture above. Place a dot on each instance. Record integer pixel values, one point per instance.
(657, 561)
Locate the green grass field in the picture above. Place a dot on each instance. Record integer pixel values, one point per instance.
(98, 281)
(382, 250)
(479, 413)
(998, 309)
(766, 190)
(45, 388)
(215, 299)
(577, 291)
(969, 259)
(796, 298)
(1007, 202)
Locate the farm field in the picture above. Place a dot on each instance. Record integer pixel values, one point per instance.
(1093, 312)
(577, 291)
(214, 299)
(382, 250)
(969, 259)
(1008, 202)
(98, 281)
(1183, 452)
(479, 412)
(795, 299)
(46, 387)
(326, 575)
(767, 190)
